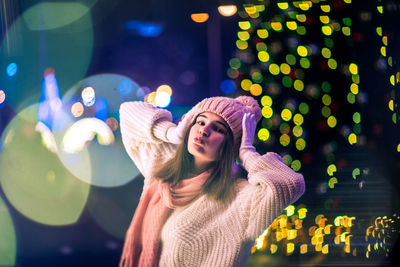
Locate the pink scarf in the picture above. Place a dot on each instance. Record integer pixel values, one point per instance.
(142, 240)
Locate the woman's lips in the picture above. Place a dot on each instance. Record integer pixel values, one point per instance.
(198, 141)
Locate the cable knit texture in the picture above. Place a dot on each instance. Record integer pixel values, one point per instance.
(209, 233)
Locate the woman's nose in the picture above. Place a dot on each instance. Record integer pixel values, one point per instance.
(204, 131)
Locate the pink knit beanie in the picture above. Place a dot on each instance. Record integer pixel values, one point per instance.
(231, 110)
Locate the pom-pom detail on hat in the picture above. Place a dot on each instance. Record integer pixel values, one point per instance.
(251, 104)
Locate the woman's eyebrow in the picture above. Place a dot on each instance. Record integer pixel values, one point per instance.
(222, 123)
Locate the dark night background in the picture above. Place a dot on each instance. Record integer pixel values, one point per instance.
(194, 59)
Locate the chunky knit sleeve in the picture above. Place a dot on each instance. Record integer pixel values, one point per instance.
(143, 130)
(273, 187)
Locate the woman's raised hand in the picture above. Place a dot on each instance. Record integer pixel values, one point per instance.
(175, 134)
(248, 130)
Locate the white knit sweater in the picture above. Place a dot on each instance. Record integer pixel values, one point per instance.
(209, 233)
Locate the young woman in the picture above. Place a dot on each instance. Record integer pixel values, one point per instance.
(192, 211)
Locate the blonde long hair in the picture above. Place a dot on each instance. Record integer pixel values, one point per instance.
(220, 186)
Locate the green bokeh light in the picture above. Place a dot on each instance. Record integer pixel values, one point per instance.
(305, 63)
(70, 59)
(326, 52)
(34, 179)
(266, 100)
(332, 63)
(298, 85)
(331, 169)
(263, 56)
(357, 117)
(326, 99)
(235, 63)
(302, 51)
(257, 77)
(286, 114)
(274, 69)
(290, 59)
(52, 15)
(355, 173)
(244, 25)
(267, 112)
(301, 30)
(304, 108)
(8, 243)
(262, 33)
(351, 98)
(331, 121)
(284, 140)
(300, 144)
(326, 111)
(298, 119)
(287, 81)
(261, 46)
(263, 134)
(326, 87)
(296, 165)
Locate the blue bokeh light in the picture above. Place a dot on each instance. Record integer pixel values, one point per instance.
(12, 69)
(228, 87)
(125, 87)
(145, 29)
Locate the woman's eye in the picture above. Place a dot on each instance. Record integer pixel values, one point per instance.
(200, 123)
(220, 130)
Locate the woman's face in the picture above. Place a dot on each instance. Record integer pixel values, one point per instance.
(206, 137)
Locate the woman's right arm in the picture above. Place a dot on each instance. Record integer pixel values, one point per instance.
(144, 135)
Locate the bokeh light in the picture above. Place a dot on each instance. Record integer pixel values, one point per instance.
(83, 131)
(199, 17)
(52, 15)
(228, 87)
(332, 121)
(262, 33)
(8, 242)
(59, 27)
(263, 134)
(77, 109)
(88, 164)
(286, 114)
(255, 89)
(43, 190)
(88, 96)
(12, 69)
(227, 10)
(2, 97)
(143, 28)
(162, 99)
(244, 25)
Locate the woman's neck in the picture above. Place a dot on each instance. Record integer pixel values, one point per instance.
(201, 167)
(198, 169)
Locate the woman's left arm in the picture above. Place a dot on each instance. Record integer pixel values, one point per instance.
(274, 184)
